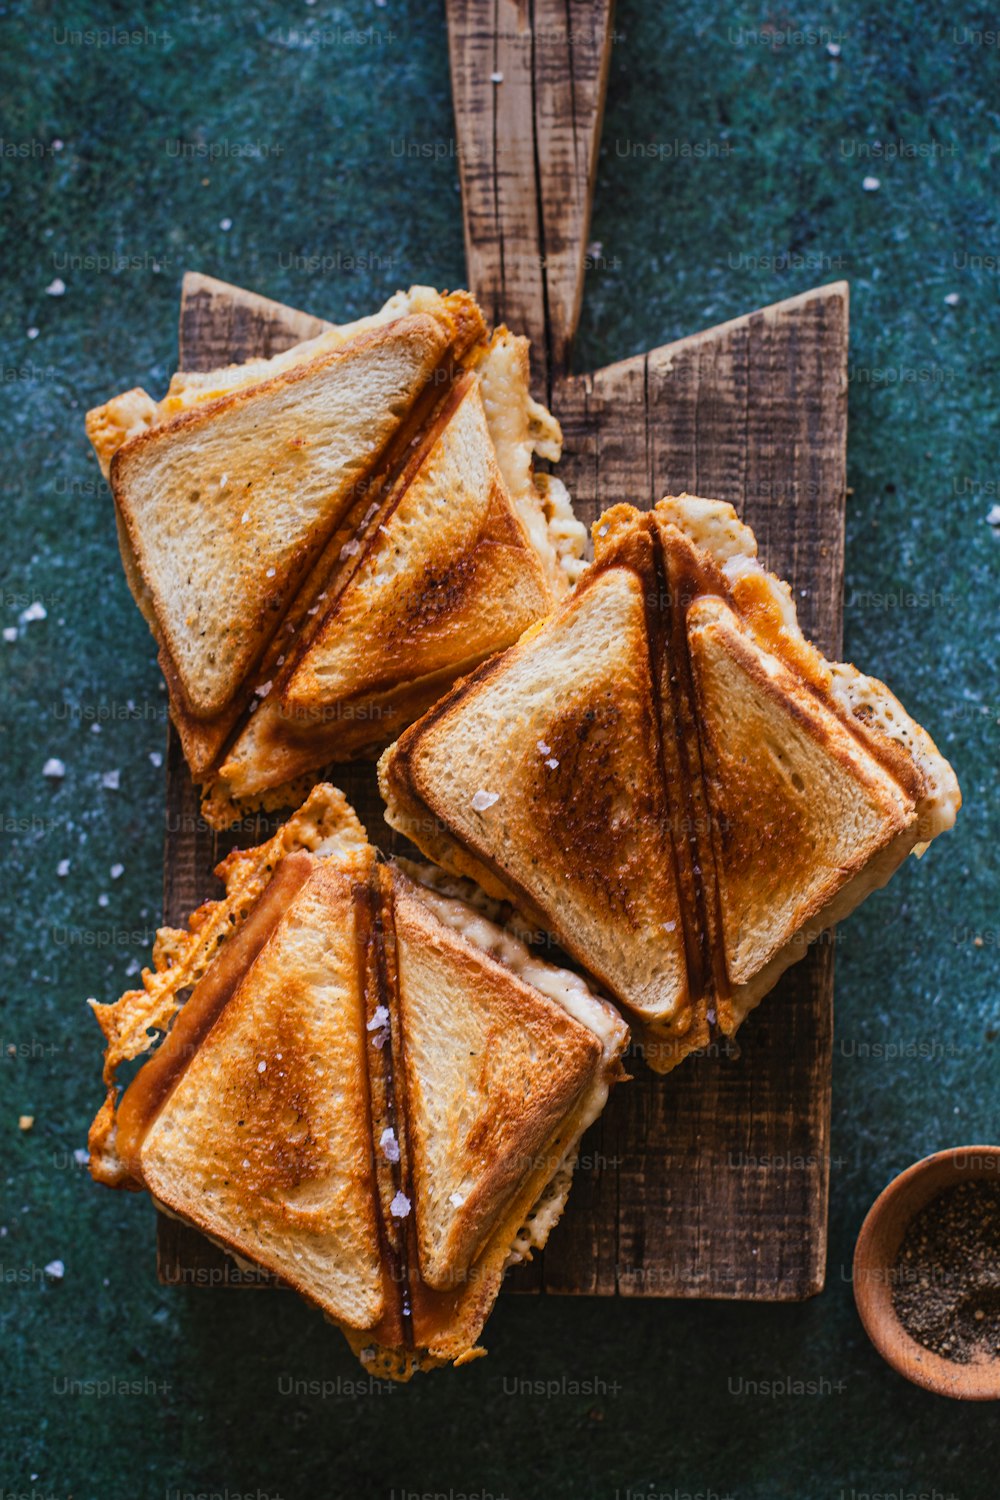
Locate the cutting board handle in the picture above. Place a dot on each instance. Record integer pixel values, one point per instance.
(528, 80)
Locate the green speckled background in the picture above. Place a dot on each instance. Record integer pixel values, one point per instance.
(288, 122)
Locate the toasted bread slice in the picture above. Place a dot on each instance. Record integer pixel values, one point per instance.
(414, 593)
(731, 866)
(134, 412)
(446, 577)
(227, 506)
(492, 1069)
(797, 808)
(541, 771)
(372, 1091)
(265, 1142)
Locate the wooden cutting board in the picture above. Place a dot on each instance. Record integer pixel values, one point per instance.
(713, 1181)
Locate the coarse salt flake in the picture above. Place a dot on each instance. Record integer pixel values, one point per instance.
(482, 800)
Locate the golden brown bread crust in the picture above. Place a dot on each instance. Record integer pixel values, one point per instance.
(719, 798)
(247, 471)
(452, 610)
(180, 959)
(260, 1120)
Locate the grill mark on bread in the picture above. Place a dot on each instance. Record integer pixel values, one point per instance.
(329, 573)
(662, 625)
(297, 566)
(431, 413)
(686, 577)
(373, 917)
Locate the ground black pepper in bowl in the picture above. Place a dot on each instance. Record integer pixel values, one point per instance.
(946, 1277)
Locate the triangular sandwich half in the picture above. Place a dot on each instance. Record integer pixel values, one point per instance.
(372, 1091)
(323, 541)
(670, 779)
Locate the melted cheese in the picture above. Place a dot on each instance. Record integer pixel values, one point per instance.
(522, 430)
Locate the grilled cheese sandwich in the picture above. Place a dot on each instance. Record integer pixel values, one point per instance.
(669, 778)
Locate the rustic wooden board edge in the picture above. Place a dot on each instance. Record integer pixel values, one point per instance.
(529, 79)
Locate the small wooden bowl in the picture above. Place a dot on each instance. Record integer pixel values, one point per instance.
(875, 1255)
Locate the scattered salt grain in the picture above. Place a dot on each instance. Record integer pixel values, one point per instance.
(263, 690)
(54, 769)
(62, 869)
(102, 899)
(56, 288)
(350, 549)
(379, 1018)
(482, 800)
(543, 748)
(32, 333)
(10, 632)
(270, 572)
(952, 299)
(456, 1200)
(833, 48)
(993, 516)
(36, 611)
(155, 758)
(388, 1144)
(552, 763)
(81, 1156)
(262, 1067)
(669, 926)
(871, 184)
(496, 78)
(225, 225)
(111, 780)
(56, 1270)
(244, 518)
(400, 1206)
(117, 871)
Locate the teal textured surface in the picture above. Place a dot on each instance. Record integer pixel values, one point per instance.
(307, 152)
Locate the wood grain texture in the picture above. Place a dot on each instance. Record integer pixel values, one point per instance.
(528, 80)
(720, 1171)
(711, 1182)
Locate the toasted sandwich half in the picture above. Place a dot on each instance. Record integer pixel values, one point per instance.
(372, 1091)
(323, 541)
(670, 779)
